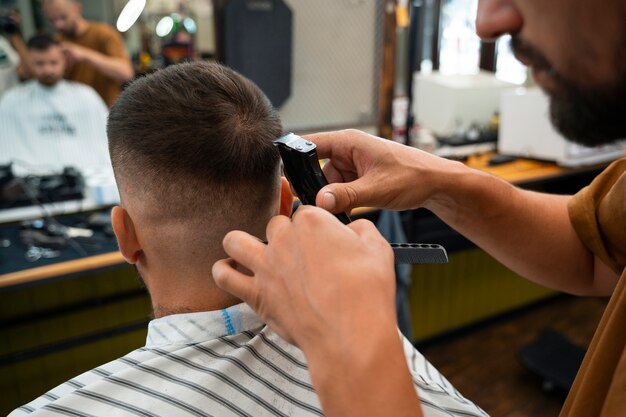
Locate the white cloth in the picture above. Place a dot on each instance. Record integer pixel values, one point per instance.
(219, 363)
(44, 129)
(9, 60)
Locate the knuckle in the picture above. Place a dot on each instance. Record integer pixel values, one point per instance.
(352, 195)
(309, 218)
(306, 214)
(362, 224)
(274, 221)
(277, 223)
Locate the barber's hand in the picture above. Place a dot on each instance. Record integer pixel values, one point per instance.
(366, 171)
(74, 53)
(13, 30)
(15, 18)
(317, 282)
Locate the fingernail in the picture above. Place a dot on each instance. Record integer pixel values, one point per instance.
(329, 201)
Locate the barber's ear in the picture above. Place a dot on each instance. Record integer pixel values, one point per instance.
(126, 234)
(286, 197)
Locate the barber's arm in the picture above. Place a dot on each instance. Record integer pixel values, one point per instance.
(24, 69)
(330, 290)
(118, 68)
(529, 232)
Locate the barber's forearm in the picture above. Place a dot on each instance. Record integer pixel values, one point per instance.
(527, 231)
(117, 68)
(370, 377)
(24, 69)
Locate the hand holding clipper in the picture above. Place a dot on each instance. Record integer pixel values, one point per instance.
(305, 175)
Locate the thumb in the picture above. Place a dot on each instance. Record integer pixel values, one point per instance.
(341, 197)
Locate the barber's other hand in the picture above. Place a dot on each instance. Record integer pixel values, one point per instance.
(317, 282)
(14, 29)
(367, 171)
(74, 53)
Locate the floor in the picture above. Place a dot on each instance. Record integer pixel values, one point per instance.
(483, 366)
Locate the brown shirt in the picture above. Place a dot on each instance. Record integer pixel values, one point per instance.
(598, 213)
(106, 40)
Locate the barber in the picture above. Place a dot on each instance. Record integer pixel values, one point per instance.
(95, 51)
(329, 288)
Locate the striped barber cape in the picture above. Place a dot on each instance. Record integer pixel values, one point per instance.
(218, 363)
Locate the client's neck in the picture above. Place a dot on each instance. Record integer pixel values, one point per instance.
(185, 292)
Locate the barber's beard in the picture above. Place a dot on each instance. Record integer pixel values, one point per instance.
(589, 116)
(70, 31)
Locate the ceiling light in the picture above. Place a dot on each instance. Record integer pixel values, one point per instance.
(129, 14)
(164, 27)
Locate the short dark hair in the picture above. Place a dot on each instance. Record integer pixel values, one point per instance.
(41, 42)
(195, 137)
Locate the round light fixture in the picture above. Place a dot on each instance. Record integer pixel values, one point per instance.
(164, 27)
(129, 15)
(190, 25)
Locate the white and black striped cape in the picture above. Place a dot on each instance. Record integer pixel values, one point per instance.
(44, 129)
(218, 363)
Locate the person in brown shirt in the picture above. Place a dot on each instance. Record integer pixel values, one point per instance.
(598, 213)
(317, 283)
(95, 51)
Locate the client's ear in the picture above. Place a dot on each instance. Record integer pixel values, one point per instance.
(124, 229)
(286, 197)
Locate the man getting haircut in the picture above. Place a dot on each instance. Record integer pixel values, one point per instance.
(51, 123)
(192, 151)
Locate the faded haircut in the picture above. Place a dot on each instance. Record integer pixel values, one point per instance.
(195, 140)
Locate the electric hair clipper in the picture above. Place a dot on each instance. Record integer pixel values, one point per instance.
(305, 175)
(302, 169)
